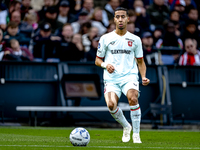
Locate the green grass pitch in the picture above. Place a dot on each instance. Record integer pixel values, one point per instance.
(46, 138)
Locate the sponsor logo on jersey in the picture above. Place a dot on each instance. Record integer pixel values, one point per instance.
(130, 43)
(99, 45)
(121, 51)
(129, 39)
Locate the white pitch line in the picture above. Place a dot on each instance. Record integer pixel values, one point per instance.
(103, 147)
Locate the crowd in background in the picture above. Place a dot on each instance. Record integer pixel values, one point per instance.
(69, 30)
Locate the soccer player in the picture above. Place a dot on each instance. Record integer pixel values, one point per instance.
(122, 53)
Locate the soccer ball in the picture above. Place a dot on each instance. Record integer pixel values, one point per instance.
(79, 137)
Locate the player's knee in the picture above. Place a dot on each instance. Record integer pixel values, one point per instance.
(111, 105)
(133, 101)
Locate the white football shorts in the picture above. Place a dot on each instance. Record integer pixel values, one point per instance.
(118, 88)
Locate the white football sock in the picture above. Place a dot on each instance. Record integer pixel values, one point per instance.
(135, 117)
(119, 117)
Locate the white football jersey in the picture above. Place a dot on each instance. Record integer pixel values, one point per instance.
(120, 51)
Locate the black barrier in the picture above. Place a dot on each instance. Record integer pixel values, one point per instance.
(27, 84)
(184, 84)
(38, 84)
(28, 71)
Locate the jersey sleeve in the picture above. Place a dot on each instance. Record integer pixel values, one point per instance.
(101, 50)
(139, 51)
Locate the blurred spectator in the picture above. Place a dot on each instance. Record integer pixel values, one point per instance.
(51, 17)
(14, 6)
(45, 43)
(77, 40)
(109, 9)
(131, 27)
(12, 32)
(189, 4)
(2, 45)
(132, 15)
(68, 51)
(67, 32)
(180, 7)
(158, 13)
(4, 15)
(169, 39)
(157, 34)
(87, 38)
(31, 19)
(83, 18)
(64, 15)
(179, 25)
(111, 27)
(88, 5)
(192, 55)
(132, 19)
(143, 19)
(24, 27)
(42, 12)
(150, 54)
(85, 28)
(194, 15)
(174, 16)
(17, 53)
(25, 8)
(91, 55)
(15, 16)
(97, 16)
(191, 31)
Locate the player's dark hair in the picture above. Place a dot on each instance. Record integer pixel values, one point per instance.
(121, 8)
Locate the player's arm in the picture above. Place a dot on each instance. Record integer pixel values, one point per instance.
(142, 70)
(101, 51)
(99, 62)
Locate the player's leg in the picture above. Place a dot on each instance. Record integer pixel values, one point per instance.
(117, 114)
(111, 101)
(135, 113)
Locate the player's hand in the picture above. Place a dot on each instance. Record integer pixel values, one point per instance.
(145, 81)
(110, 68)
